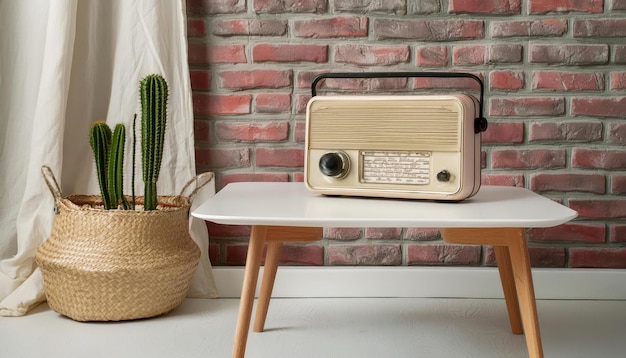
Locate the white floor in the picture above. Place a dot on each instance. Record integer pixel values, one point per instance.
(329, 327)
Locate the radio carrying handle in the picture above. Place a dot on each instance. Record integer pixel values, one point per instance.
(480, 123)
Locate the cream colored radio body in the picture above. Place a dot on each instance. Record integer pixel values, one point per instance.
(396, 146)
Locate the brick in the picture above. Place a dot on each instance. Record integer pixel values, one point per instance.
(279, 157)
(422, 234)
(504, 132)
(290, 53)
(617, 133)
(204, 7)
(371, 55)
(528, 158)
(304, 79)
(599, 28)
(253, 177)
(236, 255)
(299, 133)
(242, 80)
(291, 6)
(223, 158)
(383, 233)
(571, 131)
(447, 83)
(343, 233)
(200, 79)
(529, 28)
(618, 184)
(201, 130)
(423, 7)
(196, 28)
(571, 232)
(506, 80)
(545, 6)
(599, 106)
(619, 54)
(310, 255)
(617, 233)
(618, 80)
(299, 105)
(252, 132)
(617, 5)
(207, 104)
(553, 54)
(201, 53)
(227, 231)
(567, 81)
(526, 107)
(516, 180)
(597, 257)
(438, 254)
(381, 6)
(491, 7)
(372, 254)
(539, 256)
(570, 182)
(336, 27)
(504, 53)
(425, 30)
(547, 256)
(249, 27)
(272, 103)
(431, 56)
(598, 158)
(599, 208)
(361, 84)
(471, 55)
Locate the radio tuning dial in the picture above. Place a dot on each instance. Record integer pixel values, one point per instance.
(334, 164)
(443, 176)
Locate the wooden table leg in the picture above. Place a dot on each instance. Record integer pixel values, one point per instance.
(272, 258)
(253, 263)
(512, 240)
(503, 259)
(520, 261)
(275, 236)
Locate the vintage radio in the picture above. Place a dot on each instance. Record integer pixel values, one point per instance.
(396, 146)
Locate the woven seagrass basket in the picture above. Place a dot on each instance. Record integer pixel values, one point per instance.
(113, 265)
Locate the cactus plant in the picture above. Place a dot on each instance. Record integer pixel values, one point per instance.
(115, 168)
(132, 187)
(100, 141)
(153, 94)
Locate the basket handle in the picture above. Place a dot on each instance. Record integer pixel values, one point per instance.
(51, 182)
(480, 123)
(201, 180)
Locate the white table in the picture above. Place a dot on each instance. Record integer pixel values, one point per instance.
(288, 212)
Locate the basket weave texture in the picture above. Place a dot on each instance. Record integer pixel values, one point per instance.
(113, 265)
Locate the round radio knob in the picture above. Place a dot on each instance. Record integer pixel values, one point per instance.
(335, 164)
(443, 176)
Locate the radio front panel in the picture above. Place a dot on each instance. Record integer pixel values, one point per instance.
(393, 146)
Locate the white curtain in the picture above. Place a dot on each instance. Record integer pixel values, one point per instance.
(64, 64)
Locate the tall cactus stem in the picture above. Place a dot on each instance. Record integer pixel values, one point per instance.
(115, 170)
(132, 187)
(100, 141)
(153, 93)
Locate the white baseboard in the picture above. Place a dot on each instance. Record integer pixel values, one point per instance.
(452, 282)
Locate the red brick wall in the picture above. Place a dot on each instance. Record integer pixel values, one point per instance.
(555, 75)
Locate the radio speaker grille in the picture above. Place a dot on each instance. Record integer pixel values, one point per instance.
(385, 123)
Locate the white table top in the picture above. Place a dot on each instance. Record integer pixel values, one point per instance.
(291, 204)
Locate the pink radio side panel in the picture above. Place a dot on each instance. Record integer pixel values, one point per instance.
(469, 148)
